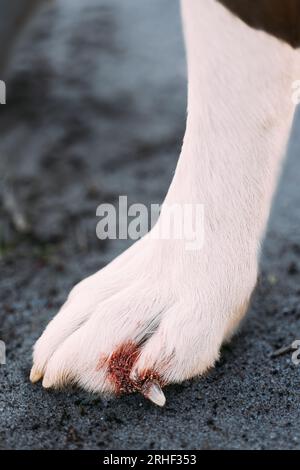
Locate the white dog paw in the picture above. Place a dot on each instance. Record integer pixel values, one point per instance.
(157, 314)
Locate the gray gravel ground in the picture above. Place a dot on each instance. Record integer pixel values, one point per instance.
(96, 108)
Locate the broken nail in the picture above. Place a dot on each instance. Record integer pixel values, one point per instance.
(155, 394)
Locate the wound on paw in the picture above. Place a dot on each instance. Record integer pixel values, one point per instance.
(119, 366)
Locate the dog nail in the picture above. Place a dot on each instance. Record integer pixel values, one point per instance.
(35, 375)
(155, 394)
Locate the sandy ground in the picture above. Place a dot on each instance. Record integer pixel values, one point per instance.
(96, 108)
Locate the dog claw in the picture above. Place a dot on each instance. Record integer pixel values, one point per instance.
(47, 383)
(155, 394)
(35, 375)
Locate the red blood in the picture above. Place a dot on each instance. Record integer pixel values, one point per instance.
(119, 366)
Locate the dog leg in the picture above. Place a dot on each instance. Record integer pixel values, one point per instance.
(160, 312)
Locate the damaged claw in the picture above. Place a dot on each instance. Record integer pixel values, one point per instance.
(154, 393)
(122, 374)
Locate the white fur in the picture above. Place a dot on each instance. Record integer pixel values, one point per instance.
(188, 302)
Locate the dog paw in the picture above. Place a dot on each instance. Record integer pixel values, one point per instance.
(158, 314)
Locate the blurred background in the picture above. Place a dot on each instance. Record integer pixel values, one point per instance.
(95, 108)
